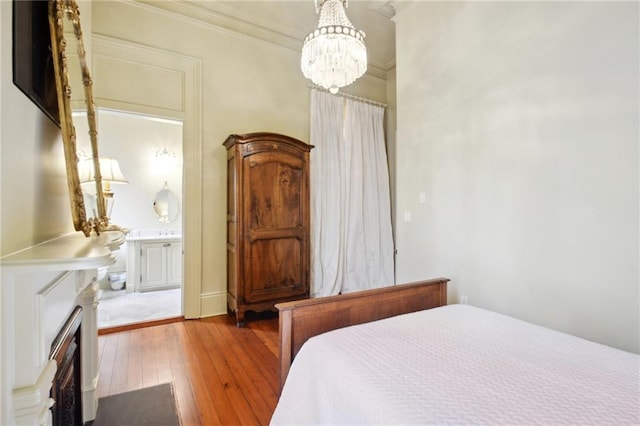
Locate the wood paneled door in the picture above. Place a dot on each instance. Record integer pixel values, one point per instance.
(267, 221)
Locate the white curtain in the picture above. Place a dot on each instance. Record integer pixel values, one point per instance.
(351, 239)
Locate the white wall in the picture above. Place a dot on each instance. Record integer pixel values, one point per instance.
(520, 122)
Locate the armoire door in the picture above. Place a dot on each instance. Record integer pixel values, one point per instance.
(274, 219)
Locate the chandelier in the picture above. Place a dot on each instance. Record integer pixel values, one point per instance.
(333, 55)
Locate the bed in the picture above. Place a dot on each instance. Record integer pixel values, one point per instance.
(446, 364)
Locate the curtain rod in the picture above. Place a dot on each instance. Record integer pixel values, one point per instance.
(348, 96)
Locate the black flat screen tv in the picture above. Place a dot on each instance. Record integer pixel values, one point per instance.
(33, 71)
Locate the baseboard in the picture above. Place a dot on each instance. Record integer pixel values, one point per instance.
(134, 326)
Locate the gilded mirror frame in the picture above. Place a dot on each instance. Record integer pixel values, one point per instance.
(61, 11)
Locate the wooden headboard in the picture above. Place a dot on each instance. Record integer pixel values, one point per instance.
(303, 319)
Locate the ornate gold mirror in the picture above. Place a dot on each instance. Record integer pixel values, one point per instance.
(64, 24)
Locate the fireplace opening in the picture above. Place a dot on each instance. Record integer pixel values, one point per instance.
(66, 389)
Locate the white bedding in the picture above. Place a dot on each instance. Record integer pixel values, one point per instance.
(458, 364)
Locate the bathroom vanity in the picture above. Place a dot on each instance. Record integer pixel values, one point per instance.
(154, 260)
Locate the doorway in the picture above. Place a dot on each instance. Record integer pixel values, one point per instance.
(146, 282)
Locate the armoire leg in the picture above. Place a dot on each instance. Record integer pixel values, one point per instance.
(239, 318)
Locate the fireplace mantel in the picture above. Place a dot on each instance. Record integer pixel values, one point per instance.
(69, 252)
(40, 287)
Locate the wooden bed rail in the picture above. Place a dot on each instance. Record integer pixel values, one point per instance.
(303, 319)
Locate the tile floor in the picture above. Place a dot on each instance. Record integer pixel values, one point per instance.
(118, 308)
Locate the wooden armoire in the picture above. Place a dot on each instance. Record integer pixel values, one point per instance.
(267, 221)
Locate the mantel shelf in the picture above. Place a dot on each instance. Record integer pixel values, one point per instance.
(68, 252)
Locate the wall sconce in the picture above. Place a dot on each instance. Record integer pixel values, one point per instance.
(165, 154)
(110, 172)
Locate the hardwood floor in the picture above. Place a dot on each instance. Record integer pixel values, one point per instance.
(221, 374)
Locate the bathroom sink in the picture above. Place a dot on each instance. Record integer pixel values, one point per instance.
(154, 234)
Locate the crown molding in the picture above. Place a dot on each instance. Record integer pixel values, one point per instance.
(384, 7)
(400, 6)
(389, 8)
(219, 15)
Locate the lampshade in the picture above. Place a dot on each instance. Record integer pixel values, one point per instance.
(334, 54)
(110, 173)
(109, 170)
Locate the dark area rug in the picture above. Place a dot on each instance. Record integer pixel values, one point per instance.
(155, 406)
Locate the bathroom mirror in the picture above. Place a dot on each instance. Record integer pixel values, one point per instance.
(66, 32)
(166, 205)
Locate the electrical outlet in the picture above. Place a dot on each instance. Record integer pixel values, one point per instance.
(464, 300)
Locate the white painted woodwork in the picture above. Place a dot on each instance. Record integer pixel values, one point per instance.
(154, 263)
(41, 285)
(153, 272)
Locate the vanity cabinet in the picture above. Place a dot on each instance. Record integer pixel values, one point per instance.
(160, 265)
(267, 221)
(154, 263)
